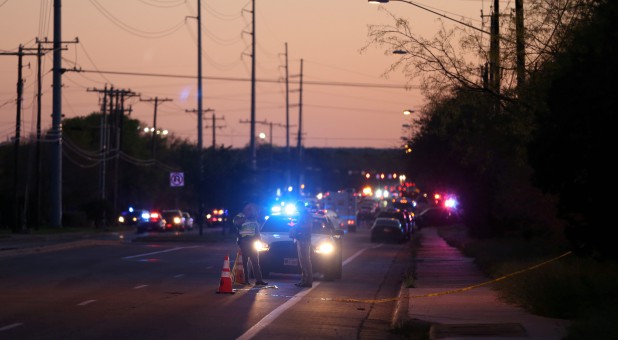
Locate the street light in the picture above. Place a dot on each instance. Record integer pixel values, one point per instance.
(428, 10)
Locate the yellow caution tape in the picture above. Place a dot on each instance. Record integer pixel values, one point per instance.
(452, 291)
(459, 290)
(447, 292)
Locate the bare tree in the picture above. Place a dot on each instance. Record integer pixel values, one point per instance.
(456, 57)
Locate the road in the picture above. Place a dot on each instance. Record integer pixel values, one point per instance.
(168, 290)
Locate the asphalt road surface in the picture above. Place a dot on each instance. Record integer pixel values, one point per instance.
(168, 290)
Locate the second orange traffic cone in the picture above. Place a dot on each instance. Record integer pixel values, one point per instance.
(239, 270)
(225, 284)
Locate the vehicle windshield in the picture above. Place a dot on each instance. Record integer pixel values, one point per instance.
(278, 224)
(282, 224)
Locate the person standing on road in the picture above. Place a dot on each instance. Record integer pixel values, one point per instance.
(302, 237)
(248, 233)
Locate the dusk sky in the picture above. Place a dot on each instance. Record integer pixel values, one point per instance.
(156, 41)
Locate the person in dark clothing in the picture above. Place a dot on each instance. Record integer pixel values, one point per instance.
(302, 237)
(248, 233)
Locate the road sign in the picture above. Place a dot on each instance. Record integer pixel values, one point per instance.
(177, 179)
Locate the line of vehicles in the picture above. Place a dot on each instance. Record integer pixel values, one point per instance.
(168, 219)
(337, 213)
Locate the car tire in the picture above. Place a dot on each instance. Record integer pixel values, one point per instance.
(331, 273)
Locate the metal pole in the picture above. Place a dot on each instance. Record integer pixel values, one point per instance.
(520, 43)
(287, 120)
(300, 128)
(199, 119)
(252, 136)
(56, 131)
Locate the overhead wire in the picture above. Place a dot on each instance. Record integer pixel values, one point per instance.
(163, 4)
(132, 30)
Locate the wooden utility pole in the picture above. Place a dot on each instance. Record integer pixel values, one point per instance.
(214, 126)
(494, 49)
(156, 101)
(520, 44)
(111, 136)
(17, 138)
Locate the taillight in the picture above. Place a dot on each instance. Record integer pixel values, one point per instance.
(155, 216)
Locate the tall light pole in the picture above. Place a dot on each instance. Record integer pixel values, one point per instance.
(56, 131)
(252, 136)
(200, 147)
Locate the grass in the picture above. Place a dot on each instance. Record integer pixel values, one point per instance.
(412, 329)
(582, 290)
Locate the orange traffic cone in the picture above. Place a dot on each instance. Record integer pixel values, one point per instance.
(225, 284)
(239, 270)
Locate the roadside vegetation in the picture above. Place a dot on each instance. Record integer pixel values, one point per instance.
(579, 289)
(528, 156)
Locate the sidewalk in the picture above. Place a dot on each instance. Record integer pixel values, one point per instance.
(473, 314)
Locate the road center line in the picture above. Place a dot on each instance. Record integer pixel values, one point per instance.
(158, 252)
(7, 327)
(87, 302)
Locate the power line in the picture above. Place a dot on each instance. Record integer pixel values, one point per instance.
(306, 82)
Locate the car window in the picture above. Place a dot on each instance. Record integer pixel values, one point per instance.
(321, 226)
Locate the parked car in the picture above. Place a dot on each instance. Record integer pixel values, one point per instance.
(150, 220)
(278, 252)
(216, 217)
(129, 217)
(174, 220)
(405, 218)
(387, 229)
(188, 220)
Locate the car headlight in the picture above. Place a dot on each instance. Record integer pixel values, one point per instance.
(177, 220)
(261, 245)
(325, 248)
(121, 219)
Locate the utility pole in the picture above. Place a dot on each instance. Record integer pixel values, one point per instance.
(156, 101)
(56, 130)
(253, 151)
(214, 126)
(16, 140)
(204, 110)
(270, 125)
(37, 186)
(494, 49)
(111, 130)
(300, 128)
(287, 119)
(520, 44)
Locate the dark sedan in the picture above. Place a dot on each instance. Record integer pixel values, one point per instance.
(278, 252)
(387, 229)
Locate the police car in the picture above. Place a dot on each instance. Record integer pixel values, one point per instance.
(278, 252)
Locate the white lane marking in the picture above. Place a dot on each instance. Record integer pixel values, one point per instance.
(140, 286)
(357, 254)
(179, 276)
(87, 302)
(272, 316)
(158, 252)
(7, 327)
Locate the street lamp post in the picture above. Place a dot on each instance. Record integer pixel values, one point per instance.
(408, 127)
(429, 10)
